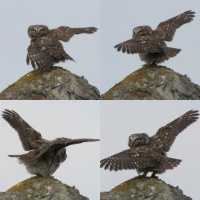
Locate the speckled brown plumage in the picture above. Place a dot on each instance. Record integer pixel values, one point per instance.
(150, 45)
(45, 49)
(44, 156)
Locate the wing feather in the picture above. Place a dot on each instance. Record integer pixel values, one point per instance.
(39, 58)
(139, 157)
(166, 135)
(61, 143)
(26, 133)
(167, 29)
(139, 46)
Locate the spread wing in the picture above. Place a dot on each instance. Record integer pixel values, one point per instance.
(167, 29)
(39, 58)
(61, 143)
(65, 33)
(46, 56)
(48, 146)
(26, 133)
(136, 45)
(166, 135)
(139, 157)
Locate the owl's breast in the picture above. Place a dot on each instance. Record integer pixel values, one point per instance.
(43, 42)
(48, 163)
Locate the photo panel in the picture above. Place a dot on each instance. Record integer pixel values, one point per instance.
(120, 119)
(83, 48)
(55, 119)
(119, 18)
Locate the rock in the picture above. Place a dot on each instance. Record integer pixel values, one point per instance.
(40, 188)
(114, 195)
(54, 83)
(154, 83)
(12, 196)
(144, 189)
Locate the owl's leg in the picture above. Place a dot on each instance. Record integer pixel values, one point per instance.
(146, 65)
(153, 175)
(143, 175)
(154, 63)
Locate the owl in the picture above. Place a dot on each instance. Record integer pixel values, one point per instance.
(45, 49)
(148, 154)
(150, 44)
(44, 156)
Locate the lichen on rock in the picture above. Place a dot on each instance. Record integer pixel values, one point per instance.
(154, 83)
(54, 83)
(40, 188)
(145, 188)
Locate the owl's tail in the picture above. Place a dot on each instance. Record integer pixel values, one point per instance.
(171, 52)
(171, 163)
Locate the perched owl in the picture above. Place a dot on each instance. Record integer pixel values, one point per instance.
(150, 44)
(44, 156)
(148, 154)
(45, 49)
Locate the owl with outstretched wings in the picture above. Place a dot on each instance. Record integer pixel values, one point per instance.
(44, 156)
(148, 154)
(46, 49)
(150, 44)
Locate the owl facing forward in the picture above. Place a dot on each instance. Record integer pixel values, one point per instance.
(45, 49)
(150, 44)
(148, 154)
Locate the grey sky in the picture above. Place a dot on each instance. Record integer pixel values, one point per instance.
(72, 119)
(119, 119)
(16, 16)
(119, 17)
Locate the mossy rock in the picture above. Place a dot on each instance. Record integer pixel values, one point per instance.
(40, 188)
(54, 83)
(154, 83)
(146, 189)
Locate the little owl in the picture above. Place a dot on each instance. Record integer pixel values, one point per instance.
(44, 156)
(150, 44)
(45, 49)
(148, 154)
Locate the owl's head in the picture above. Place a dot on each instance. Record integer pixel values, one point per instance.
(138, 139)
(36, 31)
(142, 30)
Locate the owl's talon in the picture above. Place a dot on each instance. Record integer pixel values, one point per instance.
(154, 175)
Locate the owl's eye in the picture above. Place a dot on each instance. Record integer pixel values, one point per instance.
(138, 140)
(42, 30)
(141, 31)
(33, 30)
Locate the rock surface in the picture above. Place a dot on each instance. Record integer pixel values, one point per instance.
(12, 196)
(54, 83)
(114, 195)
(40, 188)
(144, 189)
(154, 83)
